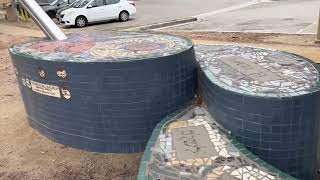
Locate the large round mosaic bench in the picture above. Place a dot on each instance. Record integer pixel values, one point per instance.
(104, 92)
(267, 99)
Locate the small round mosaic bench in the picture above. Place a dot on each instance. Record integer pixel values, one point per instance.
(267, 99)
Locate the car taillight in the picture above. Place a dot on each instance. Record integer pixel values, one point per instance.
(133, 4)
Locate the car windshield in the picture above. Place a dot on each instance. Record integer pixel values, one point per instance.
(58, 2)
(54, 2)
(79, 4)
(74, 2)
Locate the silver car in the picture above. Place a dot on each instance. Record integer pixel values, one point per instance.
(52, 8)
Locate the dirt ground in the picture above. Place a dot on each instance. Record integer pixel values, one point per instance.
(25, 154)
(299, 44)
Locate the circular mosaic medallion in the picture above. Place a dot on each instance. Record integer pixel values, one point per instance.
(108, 46)
(256, 71)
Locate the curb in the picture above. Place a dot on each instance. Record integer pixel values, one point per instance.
(164, 24)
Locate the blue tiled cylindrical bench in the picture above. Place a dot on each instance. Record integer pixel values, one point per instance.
(104, 92)
(268, 100)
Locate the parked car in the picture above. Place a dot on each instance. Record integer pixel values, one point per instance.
(44, 2)
(87, 11)
(52, 8)
(68, 6)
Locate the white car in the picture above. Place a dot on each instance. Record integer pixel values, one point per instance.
(83, 12)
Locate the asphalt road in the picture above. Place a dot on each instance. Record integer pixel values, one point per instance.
(156, 11)
(277, 16)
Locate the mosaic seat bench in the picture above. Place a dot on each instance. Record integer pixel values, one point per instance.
(105, 92)
(191, 145)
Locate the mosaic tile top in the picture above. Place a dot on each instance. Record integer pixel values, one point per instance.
(195, 147)
(107, 46)
(255, 71)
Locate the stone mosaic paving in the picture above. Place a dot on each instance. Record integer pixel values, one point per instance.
(108, 46)
(194, 146)
(257, 71)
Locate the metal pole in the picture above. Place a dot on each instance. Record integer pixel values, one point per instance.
(318, 33)
(43, 20)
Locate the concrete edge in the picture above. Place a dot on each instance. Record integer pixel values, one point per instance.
(142, 172)
(247, 32)
(164, 24)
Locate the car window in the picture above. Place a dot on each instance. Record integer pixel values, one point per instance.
(44, 1)
(83, 3)
(71, 1)
(108, 2)
(80, 4)
(96, 3)
(62, 2)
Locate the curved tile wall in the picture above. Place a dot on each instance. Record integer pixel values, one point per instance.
(104, 92)
(267, 99)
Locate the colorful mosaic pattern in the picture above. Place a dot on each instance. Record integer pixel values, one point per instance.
(108, 46)
(256, 71)
(181, 151)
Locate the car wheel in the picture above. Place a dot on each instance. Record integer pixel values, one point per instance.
(51, 14)
(124, 16)
(81, 21)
